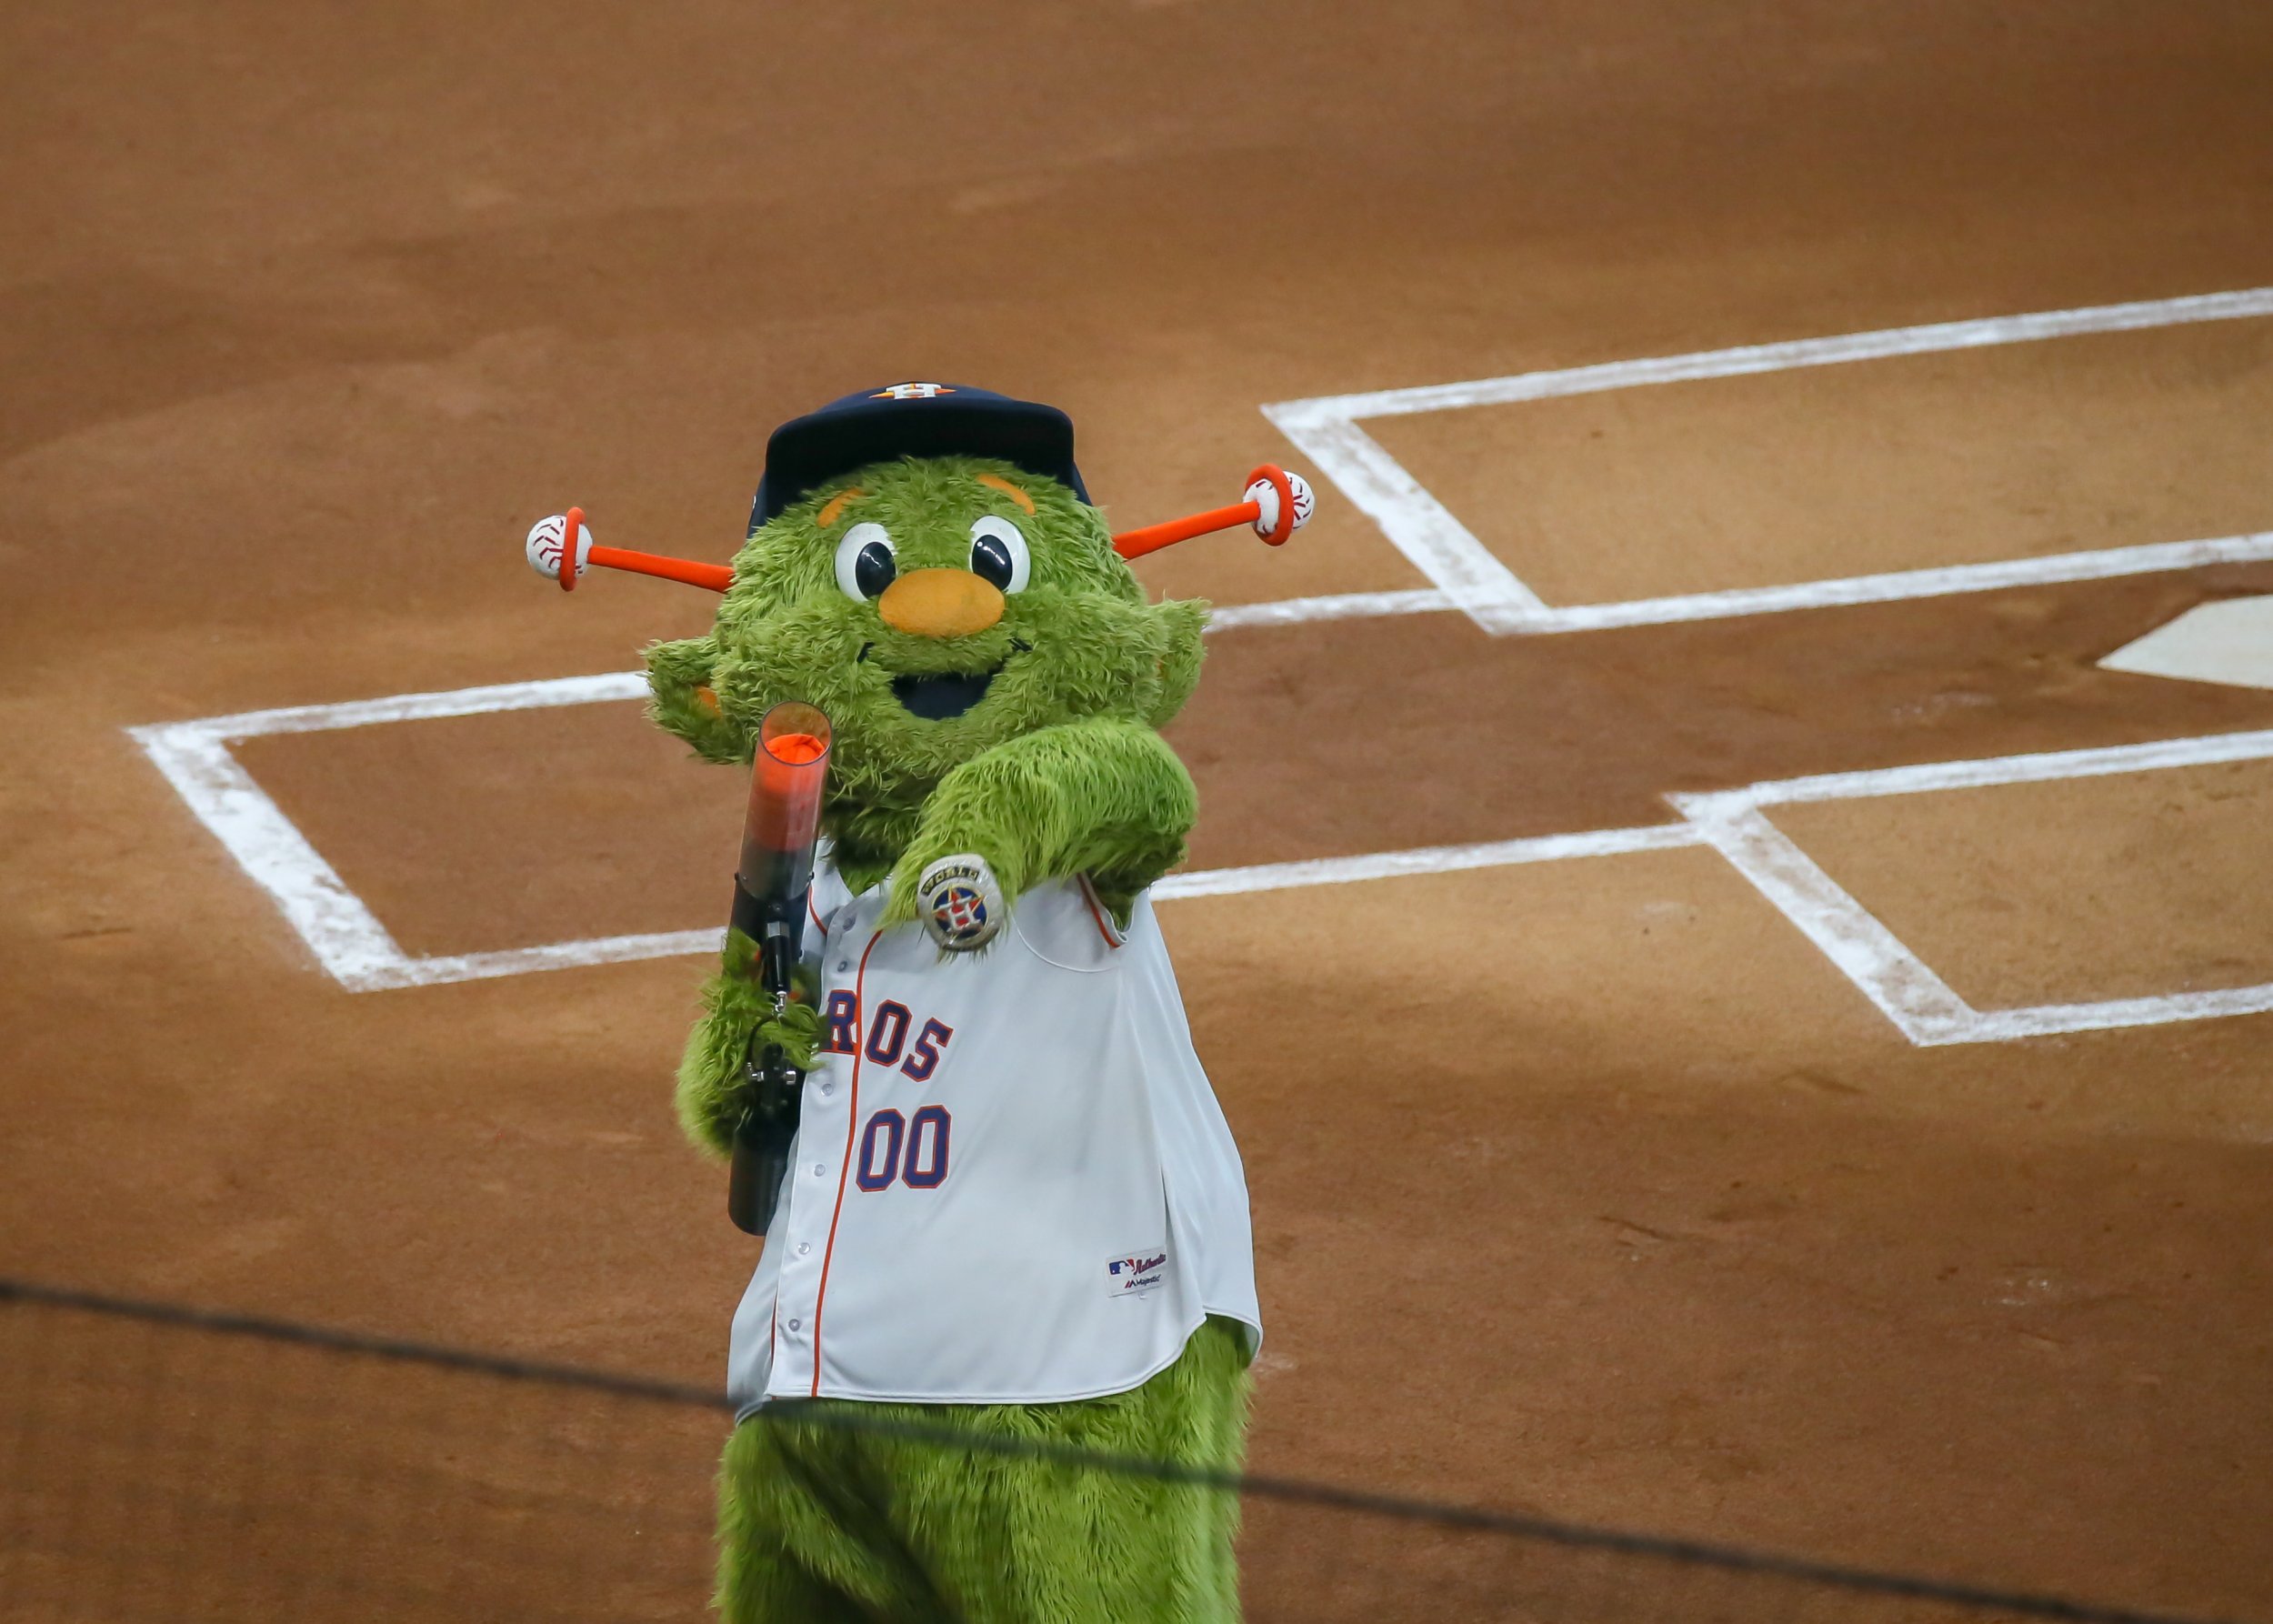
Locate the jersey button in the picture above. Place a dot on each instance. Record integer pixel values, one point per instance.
(796, 1325)
(803, 1246)
(819, 1168)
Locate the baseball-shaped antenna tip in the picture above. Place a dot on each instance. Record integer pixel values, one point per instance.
(1273, 523)
(548, 544)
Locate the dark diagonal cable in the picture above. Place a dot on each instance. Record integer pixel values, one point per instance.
(847, 1417)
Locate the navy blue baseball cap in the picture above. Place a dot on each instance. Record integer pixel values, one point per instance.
(897, 420)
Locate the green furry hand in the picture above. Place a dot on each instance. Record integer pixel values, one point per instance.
(1105, 798)
(711, 1090)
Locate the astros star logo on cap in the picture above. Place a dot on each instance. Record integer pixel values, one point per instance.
(911, 392)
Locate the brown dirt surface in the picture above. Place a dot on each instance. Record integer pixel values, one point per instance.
(1587, 1187)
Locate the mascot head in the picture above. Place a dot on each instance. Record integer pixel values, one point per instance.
(924, 564)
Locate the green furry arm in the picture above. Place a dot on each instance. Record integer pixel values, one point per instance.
(1101, 797)
(712, 1094)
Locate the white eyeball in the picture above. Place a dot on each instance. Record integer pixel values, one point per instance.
(865, 564)
(998, 554)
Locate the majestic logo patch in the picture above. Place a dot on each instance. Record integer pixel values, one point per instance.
(962, 904)
(1136, 1274)
(912, 392)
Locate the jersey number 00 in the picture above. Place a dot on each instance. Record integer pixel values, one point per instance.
(924, 1136)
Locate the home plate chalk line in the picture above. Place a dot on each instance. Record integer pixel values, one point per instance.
(1466, 576)
(352, 944)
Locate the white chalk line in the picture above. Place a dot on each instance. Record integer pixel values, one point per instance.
(344, 935)
(2158, 754)
(1421, 527)
(1325, 428)
(1908, 994)
(536, 694)
(437, 969)
(2053, 1020)
(1346, 606)
(1948, 581)
(1881, 343)
(1425, 860)
(351, 944)
(340, 929)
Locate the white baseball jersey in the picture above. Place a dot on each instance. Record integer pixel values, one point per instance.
(1011, 1181)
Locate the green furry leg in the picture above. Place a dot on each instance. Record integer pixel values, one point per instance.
(820, 1523)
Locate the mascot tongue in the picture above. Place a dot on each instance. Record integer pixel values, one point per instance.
(940, 698)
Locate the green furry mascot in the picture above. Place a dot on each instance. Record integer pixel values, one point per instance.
(1013, 1208)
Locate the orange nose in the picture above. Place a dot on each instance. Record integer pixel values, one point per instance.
(940, 603)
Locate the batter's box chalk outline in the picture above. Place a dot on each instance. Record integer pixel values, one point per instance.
(362, 955)
(1469, 577)
(341, 930)
(338, 925)
(351, 944)
(1905, 988)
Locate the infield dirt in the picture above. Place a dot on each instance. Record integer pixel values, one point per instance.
(1587, 1187)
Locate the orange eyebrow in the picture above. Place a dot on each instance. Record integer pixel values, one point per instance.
(827, 515)
(993, 482)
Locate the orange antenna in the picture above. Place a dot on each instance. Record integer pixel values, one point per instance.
(561, 548)
(1276, 504)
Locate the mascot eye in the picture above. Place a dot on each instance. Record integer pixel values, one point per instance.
(998, 554)
(865, 565)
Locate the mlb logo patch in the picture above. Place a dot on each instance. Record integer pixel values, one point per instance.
(1136, 1274)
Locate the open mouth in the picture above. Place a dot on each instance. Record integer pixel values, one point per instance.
(942, 698)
